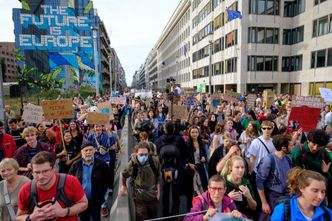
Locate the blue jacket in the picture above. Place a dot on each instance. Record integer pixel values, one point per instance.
(296, 214)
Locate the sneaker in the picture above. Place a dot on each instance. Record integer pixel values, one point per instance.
(104, 212)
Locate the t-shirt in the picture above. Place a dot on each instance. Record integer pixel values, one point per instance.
(4, 214)
(72, 189)
(258, 150)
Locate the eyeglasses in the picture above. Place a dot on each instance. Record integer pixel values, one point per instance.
(43, 172)
(266, 128)
(215, 189)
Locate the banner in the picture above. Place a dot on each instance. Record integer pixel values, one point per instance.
(304, 117)
(118, 100)
(33, 114)
(230, 99)
(314, 102)
(58, 109)
(97, 118)
(144, 94)
(251, 99)
(326, 94)
(106, 109)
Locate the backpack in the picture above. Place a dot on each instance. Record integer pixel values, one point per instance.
(60, 194)
(135, 169)
(287, 210)
(304, 153)
(273, 166)
(169, 159)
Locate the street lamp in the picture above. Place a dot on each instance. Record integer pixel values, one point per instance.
(111, 78)
(94, 35)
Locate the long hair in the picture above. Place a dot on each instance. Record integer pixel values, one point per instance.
(227, 169)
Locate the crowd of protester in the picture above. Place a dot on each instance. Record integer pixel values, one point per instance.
(247, 162)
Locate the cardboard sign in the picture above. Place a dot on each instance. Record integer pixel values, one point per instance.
(268, 97)
(314, 102)
(180, 112)
(58, 109)
(304, 117)
(97, 118)
(106, 109)
(326, 94)
(118, 100)
(33, 114)
(230, 99)
(251, 98)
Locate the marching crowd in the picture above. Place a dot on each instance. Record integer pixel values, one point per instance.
(229, 158)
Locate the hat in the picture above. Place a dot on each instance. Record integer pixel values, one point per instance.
(86, 144)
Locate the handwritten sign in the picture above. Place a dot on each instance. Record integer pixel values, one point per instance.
(251, 98)
(306, 117)
(106, 109)
(58, 109)
(180, 112)
(268, 97)
(97, 118)
(118, 100)
(326, 94)
(314, 102)
(33, 114)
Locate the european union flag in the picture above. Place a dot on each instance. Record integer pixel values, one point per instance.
(233, 14)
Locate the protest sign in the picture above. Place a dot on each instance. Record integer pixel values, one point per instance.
(304, 117)
(118, 100)
(268, 97)
(215, 101)
(326, 94)
(314, 102)
(97, 118)
(251, 98)
(33, 114)
(106, 109)
(180, 112)
(58, 109)
(144, 94)
(230, 99)
(233, 94)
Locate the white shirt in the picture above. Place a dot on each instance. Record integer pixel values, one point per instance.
(258, 150)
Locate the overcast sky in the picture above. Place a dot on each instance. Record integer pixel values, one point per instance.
(134, 26)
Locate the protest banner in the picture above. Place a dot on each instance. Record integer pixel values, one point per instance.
(314, 102)
(251, 98)
(233, 94)
(326, 94)
(118, 100)
(304, 117)
(180, 112)
(97, 118)
(58, 109)
(229, 98)
(106, 109)
(268, 97)
(144, 94)
(33, 114)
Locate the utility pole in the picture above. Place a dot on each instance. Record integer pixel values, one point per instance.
(94, 35)
(210, 66)
(111, 77)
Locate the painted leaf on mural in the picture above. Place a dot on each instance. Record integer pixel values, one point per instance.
(88, 7)
(25, 5)
(56, 73)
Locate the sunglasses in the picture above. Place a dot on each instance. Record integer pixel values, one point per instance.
(266, 128)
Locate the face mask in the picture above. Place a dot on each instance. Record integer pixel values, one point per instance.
(142, 159)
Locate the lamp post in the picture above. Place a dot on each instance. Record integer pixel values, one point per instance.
(94, 35)
(2, 98)
(210, 66)
(111, 77)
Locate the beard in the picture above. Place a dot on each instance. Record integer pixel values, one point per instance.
(88, 158)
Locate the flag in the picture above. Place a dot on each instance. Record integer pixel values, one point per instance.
(233, 14)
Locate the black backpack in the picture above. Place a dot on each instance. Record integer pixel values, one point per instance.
(169, 156)
(60, 194)
(287, 210)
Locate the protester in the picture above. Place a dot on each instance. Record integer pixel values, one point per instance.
(15, 131)
(9, 188)
(7, 144)
(307, 193)
(47, 183)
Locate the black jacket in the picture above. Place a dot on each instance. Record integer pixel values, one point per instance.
(100, 180)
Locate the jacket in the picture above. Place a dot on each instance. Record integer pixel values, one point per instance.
(204, 202)
(7, 146)
(22, 154)
(100, 180)
(295, 212)
(145, 183)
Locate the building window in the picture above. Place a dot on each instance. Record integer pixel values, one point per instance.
(231, 39)
(262, 63)
(264, 7)
(263, 35)
(322, 26)
(329, 57)
(293, 36)
(320, 58)
(202, 14)
(293, 63)
(231, 65)
(294, 8)
(319, 1)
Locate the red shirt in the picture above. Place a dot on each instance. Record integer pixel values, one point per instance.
(8, 146)
(73, 190)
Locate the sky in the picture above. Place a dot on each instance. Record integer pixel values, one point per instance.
(134, 26)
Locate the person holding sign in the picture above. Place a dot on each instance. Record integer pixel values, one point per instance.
(213, 201)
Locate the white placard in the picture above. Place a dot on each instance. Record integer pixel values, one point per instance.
(326, 94)
(33, 114)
